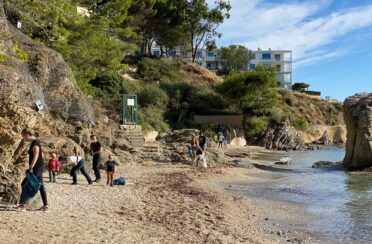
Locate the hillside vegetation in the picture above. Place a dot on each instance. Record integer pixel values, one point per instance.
(118, 35)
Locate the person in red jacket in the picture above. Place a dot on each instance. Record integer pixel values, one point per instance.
(53, 166)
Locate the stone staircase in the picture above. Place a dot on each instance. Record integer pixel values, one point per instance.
(151, 152)
(143, 151)
(133, 134)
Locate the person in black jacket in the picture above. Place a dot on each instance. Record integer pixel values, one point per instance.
(36, 166)
(96, 149)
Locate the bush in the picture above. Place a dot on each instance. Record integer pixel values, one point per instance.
(206, 101)
(152, 118)
(255, 126)
(151, 70)
(287, 97)
(152, 95)
(20, 53)
(3, 58)
(109, 85)
(299, 123)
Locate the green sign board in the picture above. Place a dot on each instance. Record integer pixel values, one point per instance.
(129, 108)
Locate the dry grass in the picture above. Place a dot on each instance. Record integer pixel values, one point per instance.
(196, 75)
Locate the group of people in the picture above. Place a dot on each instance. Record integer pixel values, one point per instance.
(57, 164)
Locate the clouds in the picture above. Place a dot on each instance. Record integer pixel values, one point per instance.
(306, 27)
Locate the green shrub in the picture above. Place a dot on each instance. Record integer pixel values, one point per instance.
(152, 95)
(152, 118)
(152, 70)
(205, 101)
(20, 53)
(3, 58)
(287, 97)
(110, 85)
(339, 106)
(255, 126)
(299, 123)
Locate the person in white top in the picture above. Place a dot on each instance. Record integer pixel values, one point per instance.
(77, 163)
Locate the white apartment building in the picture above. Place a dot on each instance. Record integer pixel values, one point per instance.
(281, 60)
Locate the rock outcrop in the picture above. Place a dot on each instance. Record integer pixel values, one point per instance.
(283, 137)
(358, 119)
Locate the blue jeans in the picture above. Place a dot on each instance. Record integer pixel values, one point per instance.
(80, 166)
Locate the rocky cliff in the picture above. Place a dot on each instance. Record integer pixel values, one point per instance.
(31, 72)
(358, 119)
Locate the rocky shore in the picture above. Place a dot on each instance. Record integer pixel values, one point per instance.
(162, 203)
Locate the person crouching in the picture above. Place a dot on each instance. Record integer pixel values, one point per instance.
(77, 163)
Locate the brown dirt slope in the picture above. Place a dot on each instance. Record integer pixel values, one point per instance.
(197, 75)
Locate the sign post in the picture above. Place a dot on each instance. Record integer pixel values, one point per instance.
(129, 109)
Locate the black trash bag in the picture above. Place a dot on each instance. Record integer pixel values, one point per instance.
(30, 187)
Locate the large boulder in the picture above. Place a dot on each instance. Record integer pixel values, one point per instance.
(358, 119)
(283, 137)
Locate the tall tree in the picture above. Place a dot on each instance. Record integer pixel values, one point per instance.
(202, 22)
(234, 58)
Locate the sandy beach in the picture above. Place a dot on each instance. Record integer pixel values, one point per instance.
(160, 204)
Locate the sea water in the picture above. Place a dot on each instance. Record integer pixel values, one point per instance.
(341, 203)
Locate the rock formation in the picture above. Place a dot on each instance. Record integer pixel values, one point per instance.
(283, 137)
(358, 119)
(40, 75)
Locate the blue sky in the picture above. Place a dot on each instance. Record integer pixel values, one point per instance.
(331, 39)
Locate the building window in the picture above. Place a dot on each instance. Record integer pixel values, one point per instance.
(266, 56)
(210, 54)
(278, 68)
(157, 53)
(172, 53)
(277, 57)
(252, 66)
(198, 55)
(210, 66)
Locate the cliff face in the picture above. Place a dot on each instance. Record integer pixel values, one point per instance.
(358, 118)
(31, 72)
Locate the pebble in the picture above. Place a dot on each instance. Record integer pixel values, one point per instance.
(266, 218)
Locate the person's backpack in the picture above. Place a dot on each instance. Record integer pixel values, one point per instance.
(119, 182)
(30, 187)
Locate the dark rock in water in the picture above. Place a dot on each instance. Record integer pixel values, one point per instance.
(324, 164)
(358, 119)
(284, 137)
(324, 140)
(283, 163)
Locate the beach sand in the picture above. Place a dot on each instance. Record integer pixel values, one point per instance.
(160, 204)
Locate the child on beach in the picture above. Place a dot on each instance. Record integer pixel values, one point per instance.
(53, 166)
(110, 170)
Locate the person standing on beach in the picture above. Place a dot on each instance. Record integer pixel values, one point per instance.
(221, 138)
(110, 170)
(36, 166)
(202, 140)
(53, 165)
(193, 143)
(77, 163)
(96, 149)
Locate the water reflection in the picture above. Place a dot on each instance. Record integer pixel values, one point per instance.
(360, 206)
(341, 202)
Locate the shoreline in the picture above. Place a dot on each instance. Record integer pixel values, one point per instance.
(160, 204)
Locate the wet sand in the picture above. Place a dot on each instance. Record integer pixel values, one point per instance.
(160, 204)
